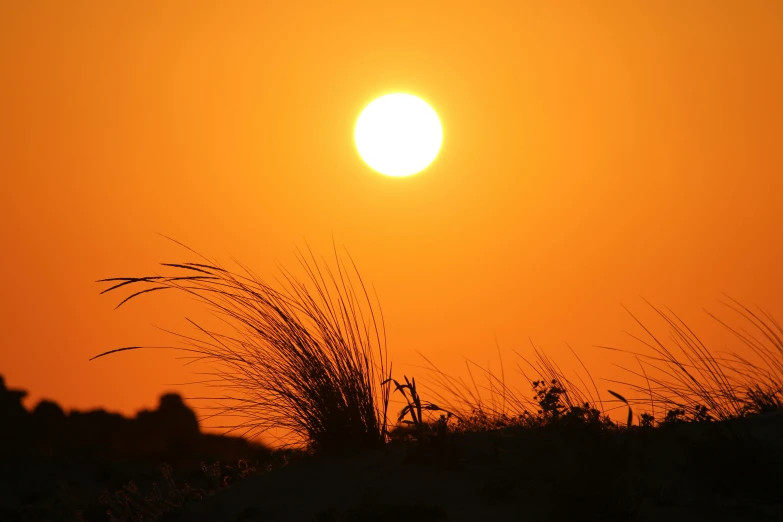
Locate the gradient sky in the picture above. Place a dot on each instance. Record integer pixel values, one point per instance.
(594, 153)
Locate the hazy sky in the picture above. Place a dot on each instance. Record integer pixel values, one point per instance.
(594, 153)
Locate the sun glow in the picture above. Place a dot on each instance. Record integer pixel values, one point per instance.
(398, 134)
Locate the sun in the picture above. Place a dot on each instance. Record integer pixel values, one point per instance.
(398, 134)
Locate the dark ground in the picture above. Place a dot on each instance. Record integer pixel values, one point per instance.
(52, 465)
(710, 472)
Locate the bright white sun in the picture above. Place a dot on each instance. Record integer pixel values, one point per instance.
(398, 134)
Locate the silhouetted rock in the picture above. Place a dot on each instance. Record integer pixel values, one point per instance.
(11, 407)
(48, 411)
(46, 450)
(171, 419)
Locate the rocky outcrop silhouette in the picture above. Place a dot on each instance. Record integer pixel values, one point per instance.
(46, 448)
(172, 430)
(11, 408)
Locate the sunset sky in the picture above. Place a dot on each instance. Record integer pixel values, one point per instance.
(594, 154)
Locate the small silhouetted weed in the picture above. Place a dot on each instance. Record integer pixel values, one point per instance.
(646, 420)
(554, 411)
(418, 426)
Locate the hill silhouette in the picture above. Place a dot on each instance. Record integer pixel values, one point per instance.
(48, 456)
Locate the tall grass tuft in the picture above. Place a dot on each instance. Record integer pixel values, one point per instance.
(308, 359)
(691, 382)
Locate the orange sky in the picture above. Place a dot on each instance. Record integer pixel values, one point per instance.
(594, 152)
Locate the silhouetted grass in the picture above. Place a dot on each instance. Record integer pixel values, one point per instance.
(697, 385)
(304, 359)
(309, 359)
(305, 362)
(556, 399)
(691, 382)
